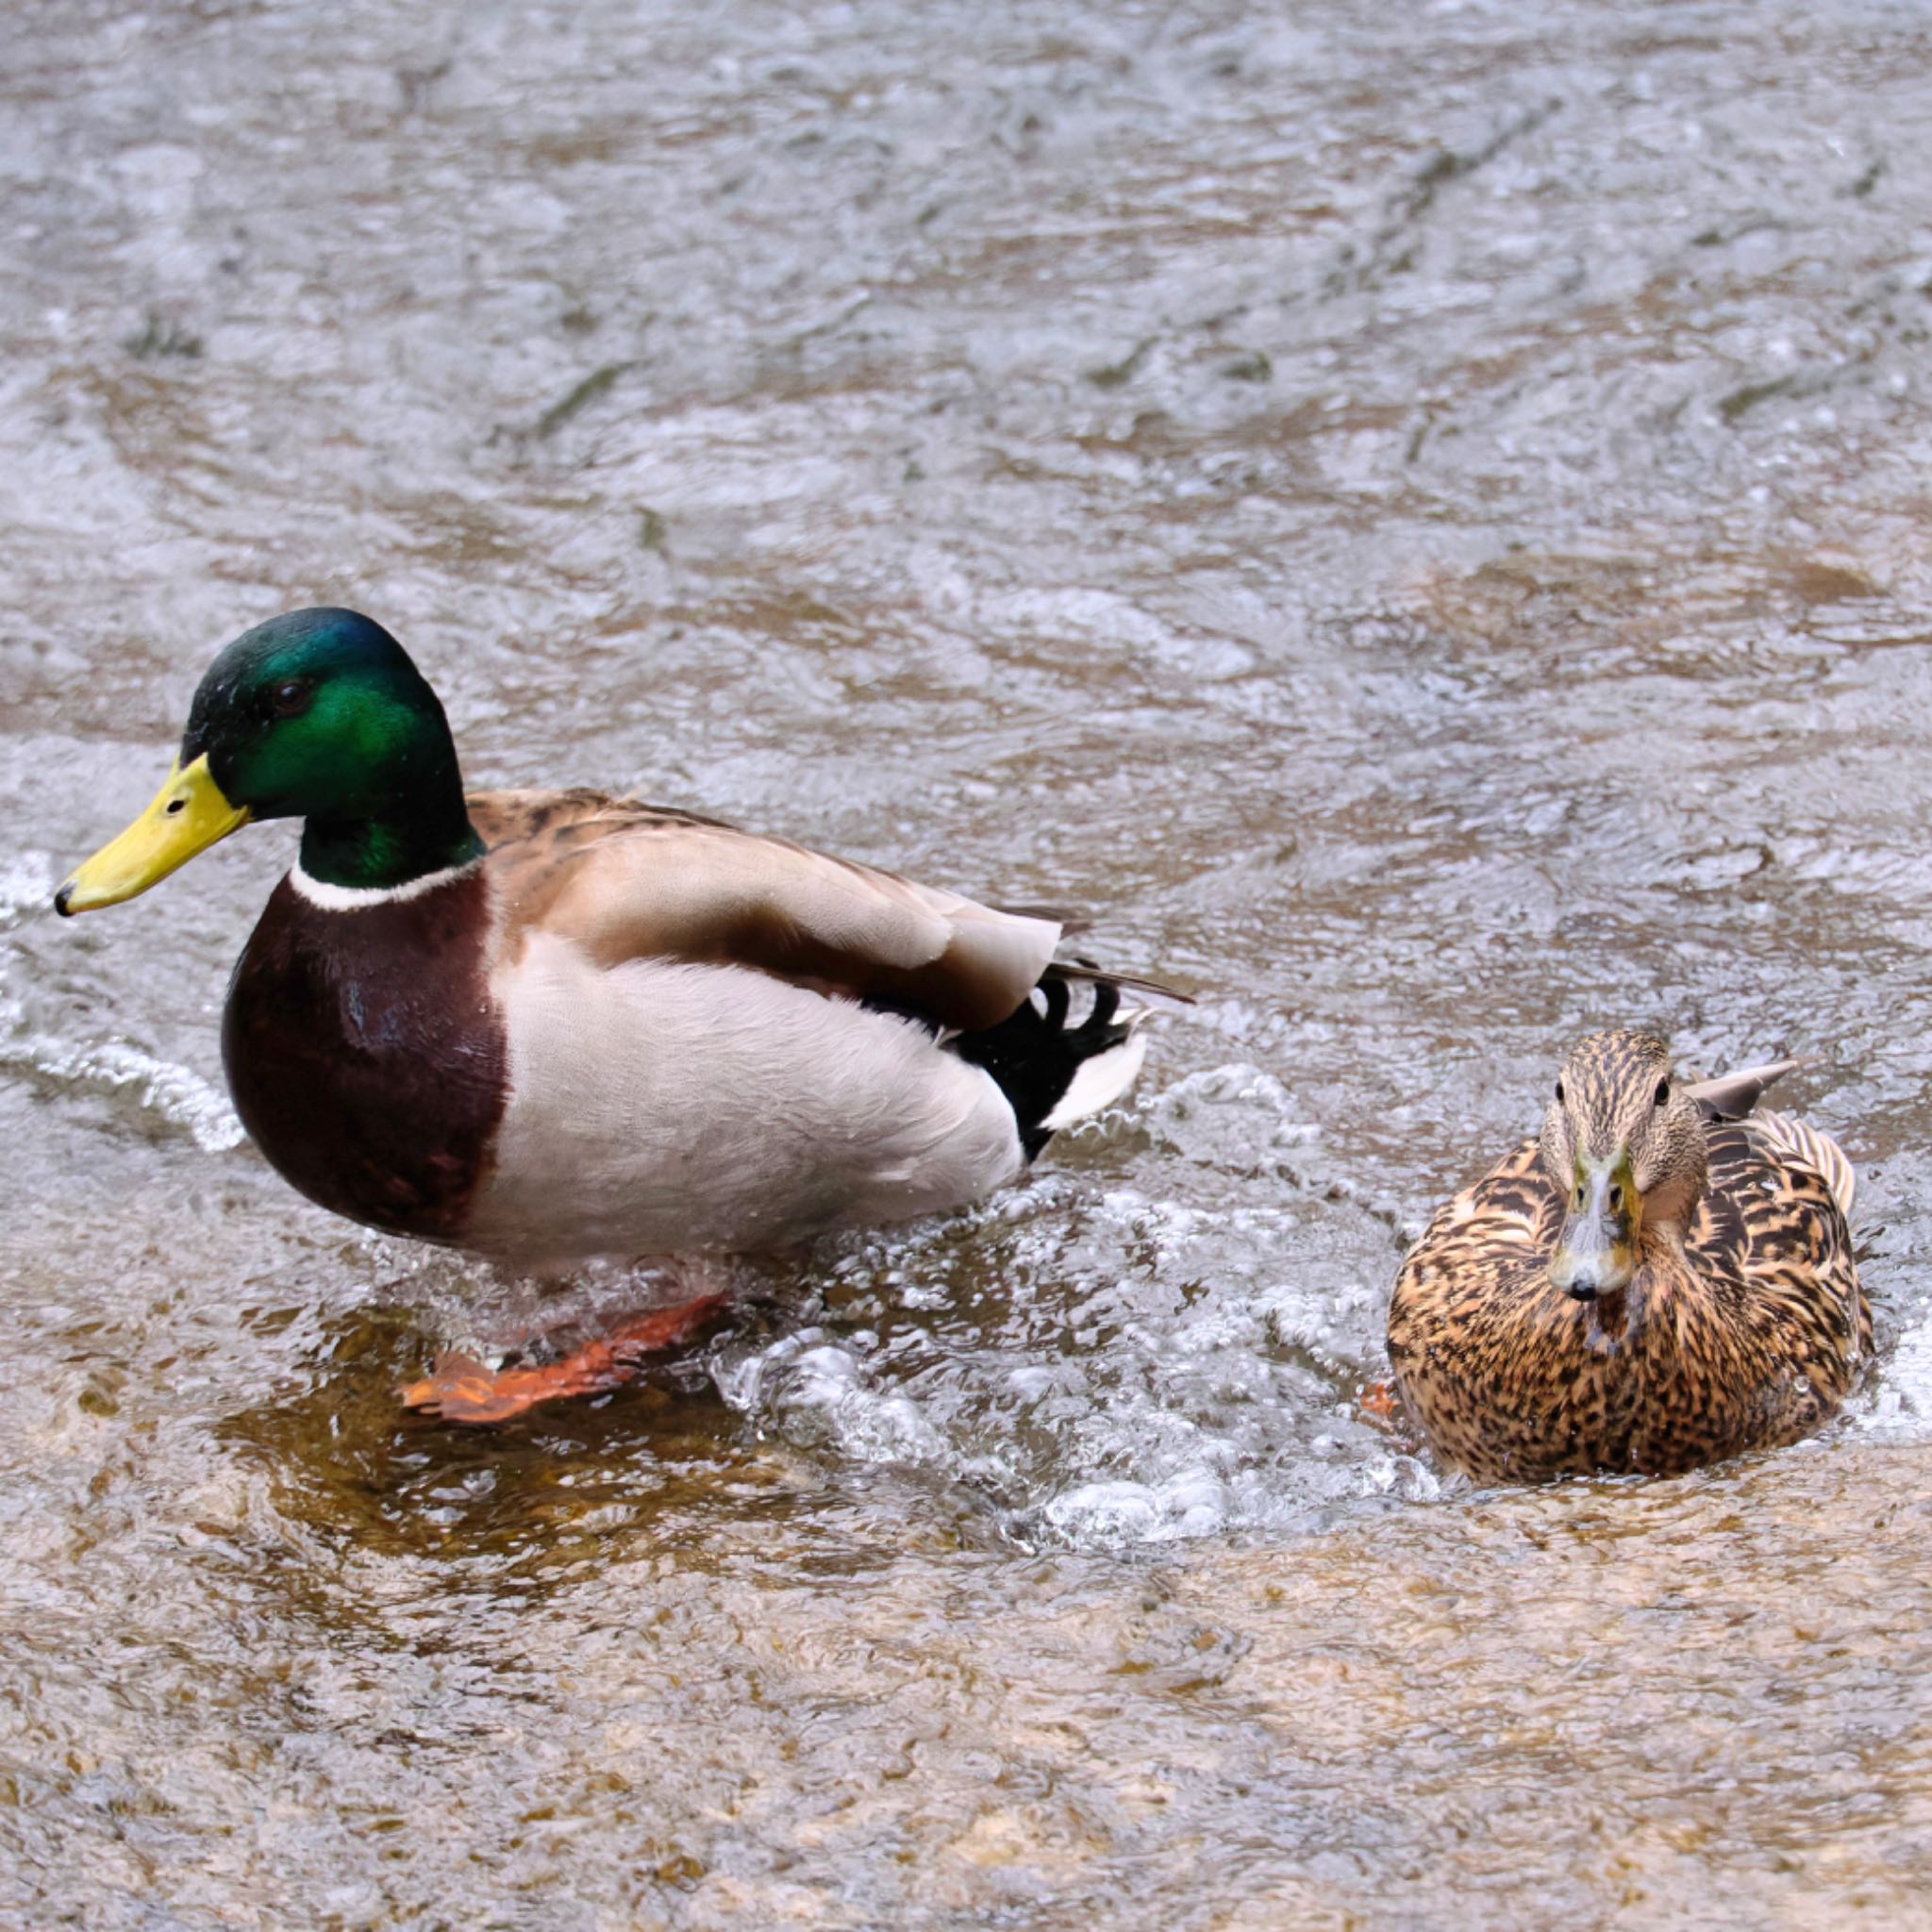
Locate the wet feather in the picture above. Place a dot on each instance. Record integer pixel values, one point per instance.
(1743, 1327)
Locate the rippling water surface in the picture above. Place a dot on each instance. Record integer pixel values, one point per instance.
(1421, 529)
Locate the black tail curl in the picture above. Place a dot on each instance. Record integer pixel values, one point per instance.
(1033, 1056)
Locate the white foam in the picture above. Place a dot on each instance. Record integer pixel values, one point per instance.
(1104, 1372)
(181, 1098)
(1191, 1503)
(1899, 1404)
(27, 884)
(823, 1390)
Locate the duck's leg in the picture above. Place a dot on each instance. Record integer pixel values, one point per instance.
(1376, 1404)
(461, 1388)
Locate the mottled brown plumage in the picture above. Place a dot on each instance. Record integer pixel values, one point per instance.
(1646, 1286)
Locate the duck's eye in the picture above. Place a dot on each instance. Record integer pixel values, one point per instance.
(1616, 1200)
(1663, 1092)
(290, 697)
(1559, 1092)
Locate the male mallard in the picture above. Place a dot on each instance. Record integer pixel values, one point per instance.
(1655, 1282)
(550, 1025)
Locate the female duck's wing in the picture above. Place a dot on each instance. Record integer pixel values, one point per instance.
(1735, 1097)
(621, 881)
(1731, 1096)
(1816, 1149)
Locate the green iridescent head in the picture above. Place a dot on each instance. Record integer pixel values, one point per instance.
(317, 715)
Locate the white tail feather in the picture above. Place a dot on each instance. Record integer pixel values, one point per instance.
(1100, 1081)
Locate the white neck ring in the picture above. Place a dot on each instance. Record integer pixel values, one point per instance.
(359, 898)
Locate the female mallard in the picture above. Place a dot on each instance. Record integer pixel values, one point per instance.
(550, 1025)
(1655, 1282)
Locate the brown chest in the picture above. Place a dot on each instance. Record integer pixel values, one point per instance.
(366, 1055)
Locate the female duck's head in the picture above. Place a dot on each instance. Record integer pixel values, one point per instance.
(1626, 1150)
(318, 715)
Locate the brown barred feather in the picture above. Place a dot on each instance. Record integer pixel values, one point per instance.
(1812, 1147)
(1746, 1336)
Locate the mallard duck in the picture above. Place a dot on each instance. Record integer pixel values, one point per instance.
(1657, 1280)
(546, 1027)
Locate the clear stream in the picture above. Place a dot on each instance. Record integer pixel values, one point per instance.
(1420, 527)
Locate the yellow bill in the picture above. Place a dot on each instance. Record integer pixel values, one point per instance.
(188, 814)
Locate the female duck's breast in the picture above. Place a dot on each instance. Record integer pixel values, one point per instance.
(365, 1054)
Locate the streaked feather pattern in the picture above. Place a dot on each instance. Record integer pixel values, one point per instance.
(1809, 1147)
(1745, 1334)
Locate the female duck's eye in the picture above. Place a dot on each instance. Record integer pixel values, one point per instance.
(290, 697)
(1559, 1094)
(1663, 1092)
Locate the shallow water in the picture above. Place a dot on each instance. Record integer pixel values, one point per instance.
(1422, 534)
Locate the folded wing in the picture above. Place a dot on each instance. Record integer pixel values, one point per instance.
(629, 881)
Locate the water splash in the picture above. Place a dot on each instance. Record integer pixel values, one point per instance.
(173, 1095)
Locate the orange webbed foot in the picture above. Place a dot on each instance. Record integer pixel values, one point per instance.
(1376, 1404)
(460, 1389)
